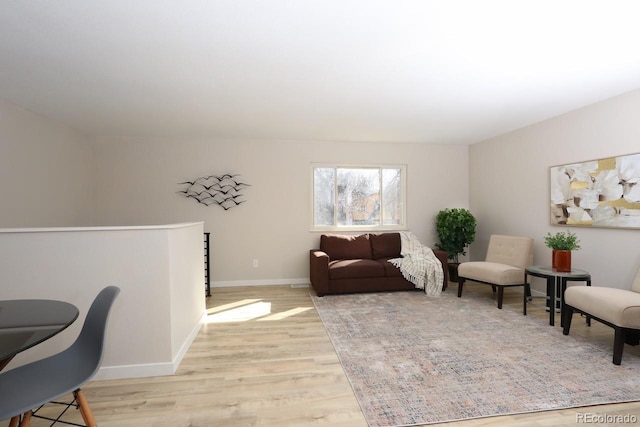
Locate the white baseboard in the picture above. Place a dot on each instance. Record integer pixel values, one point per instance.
(134, 371)
(535, 293)
(151, 369)
(266, 282)
(187, 343)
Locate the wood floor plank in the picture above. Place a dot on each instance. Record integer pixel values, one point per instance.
(282, 371)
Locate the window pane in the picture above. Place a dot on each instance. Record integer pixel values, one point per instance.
(392, 196)
(324, 195)
(358, 197)
(355, 198)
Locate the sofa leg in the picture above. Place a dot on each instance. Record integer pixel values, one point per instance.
(460, 283)
(618, 345)
(500, 295)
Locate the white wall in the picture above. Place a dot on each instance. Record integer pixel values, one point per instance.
(136, 183)
(45, 172)
(55, 175)
(509, 185)
(159, 271)
(187, 303)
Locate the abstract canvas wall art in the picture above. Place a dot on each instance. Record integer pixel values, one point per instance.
(597, 193)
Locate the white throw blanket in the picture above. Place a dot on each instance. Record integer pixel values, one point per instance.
(419, 265)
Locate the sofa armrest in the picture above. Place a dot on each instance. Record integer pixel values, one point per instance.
(443, 256)
(319, 271)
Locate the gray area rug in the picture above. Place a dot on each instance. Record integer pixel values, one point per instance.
(415, 360)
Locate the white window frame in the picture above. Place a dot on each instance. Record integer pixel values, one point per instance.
(361, 228)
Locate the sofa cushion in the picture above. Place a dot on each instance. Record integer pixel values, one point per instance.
(385, 245)
(390, 270)
(355, 269)
(346, 247)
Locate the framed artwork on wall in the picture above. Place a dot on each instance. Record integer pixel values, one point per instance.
(596, 193)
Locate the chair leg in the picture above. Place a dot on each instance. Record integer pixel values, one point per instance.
(567, 314)
(85, 410)
(618, 345)
(526, 293)
(26, 419)
(632, 338)
(500, 296)
(494, 288)
(460, 283)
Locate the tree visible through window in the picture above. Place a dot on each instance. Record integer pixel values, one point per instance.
(370, 197)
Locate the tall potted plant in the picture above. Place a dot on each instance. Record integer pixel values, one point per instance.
(456, 229)
(561, 244)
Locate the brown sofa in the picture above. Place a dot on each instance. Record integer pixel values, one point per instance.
(346, 264)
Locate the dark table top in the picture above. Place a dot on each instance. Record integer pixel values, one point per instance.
(25, 323)
(548, 271)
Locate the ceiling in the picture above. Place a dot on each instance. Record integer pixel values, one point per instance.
(447, 71)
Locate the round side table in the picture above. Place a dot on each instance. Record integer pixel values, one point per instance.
(556, 281)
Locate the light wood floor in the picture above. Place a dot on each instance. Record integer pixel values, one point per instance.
(279, 369)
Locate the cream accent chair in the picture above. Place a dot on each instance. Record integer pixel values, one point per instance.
(617, 308)
(507, 257)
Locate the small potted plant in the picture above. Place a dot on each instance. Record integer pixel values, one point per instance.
(562, 243)
(456, 229)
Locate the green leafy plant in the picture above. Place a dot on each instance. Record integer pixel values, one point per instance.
(562, 241)
(456, 229)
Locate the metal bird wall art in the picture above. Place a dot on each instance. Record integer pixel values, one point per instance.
(221, 190)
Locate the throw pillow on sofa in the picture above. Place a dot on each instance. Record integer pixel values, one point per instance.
(346, 247)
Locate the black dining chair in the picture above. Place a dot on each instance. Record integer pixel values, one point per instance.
(27, 388)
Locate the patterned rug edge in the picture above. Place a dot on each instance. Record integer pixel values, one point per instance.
(453, 420)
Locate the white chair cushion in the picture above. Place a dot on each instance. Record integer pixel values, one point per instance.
(618, 306)
(512, 250)
(492, 272)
